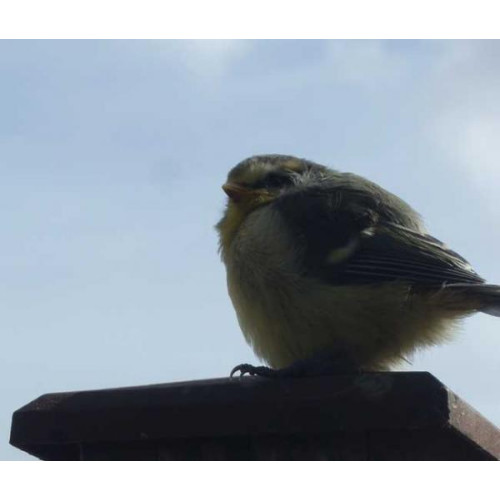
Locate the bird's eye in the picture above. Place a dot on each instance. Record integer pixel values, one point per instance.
(275, 180)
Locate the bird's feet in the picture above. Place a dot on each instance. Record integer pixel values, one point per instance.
(247, 369)
(315, 366)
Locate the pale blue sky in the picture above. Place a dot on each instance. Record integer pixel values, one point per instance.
(112, 154)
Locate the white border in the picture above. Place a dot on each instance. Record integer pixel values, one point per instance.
(248, 19)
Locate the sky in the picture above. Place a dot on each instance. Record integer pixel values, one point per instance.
(112, 154)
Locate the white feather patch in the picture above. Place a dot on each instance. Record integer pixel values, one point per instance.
(342, 253)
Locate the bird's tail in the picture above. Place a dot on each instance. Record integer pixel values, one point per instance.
(486, 296)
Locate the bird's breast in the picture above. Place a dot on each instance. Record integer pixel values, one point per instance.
(264, 280)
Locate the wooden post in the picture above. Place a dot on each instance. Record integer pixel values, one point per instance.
(373, 416)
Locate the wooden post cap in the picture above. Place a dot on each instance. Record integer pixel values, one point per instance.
(371, 416)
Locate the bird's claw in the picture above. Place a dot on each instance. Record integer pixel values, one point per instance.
(247, 369)
(340, 363)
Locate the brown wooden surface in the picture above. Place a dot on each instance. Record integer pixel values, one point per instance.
(406, 415)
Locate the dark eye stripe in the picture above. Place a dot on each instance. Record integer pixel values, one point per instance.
(274, 180)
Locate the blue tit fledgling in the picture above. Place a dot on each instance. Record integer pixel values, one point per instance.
(325, 263)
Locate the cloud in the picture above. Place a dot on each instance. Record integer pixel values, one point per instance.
(363, 61)
(476, 136)
(465, 123)
(205, 59)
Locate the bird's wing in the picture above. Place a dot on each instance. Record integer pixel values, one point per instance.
(393, 253)
(352, 244)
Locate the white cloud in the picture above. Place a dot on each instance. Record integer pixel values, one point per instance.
(363, 61)
(465, 123)
(479, 144)
(206, 59)
(359, 62)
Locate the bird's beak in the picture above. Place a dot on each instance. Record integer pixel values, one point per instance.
(237, 192)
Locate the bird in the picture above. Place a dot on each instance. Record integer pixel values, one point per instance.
(330, 273)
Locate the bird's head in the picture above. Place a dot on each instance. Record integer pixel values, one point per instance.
(258, 181)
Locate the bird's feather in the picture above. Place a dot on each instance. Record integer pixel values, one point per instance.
(396, 253)
(356, 243)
